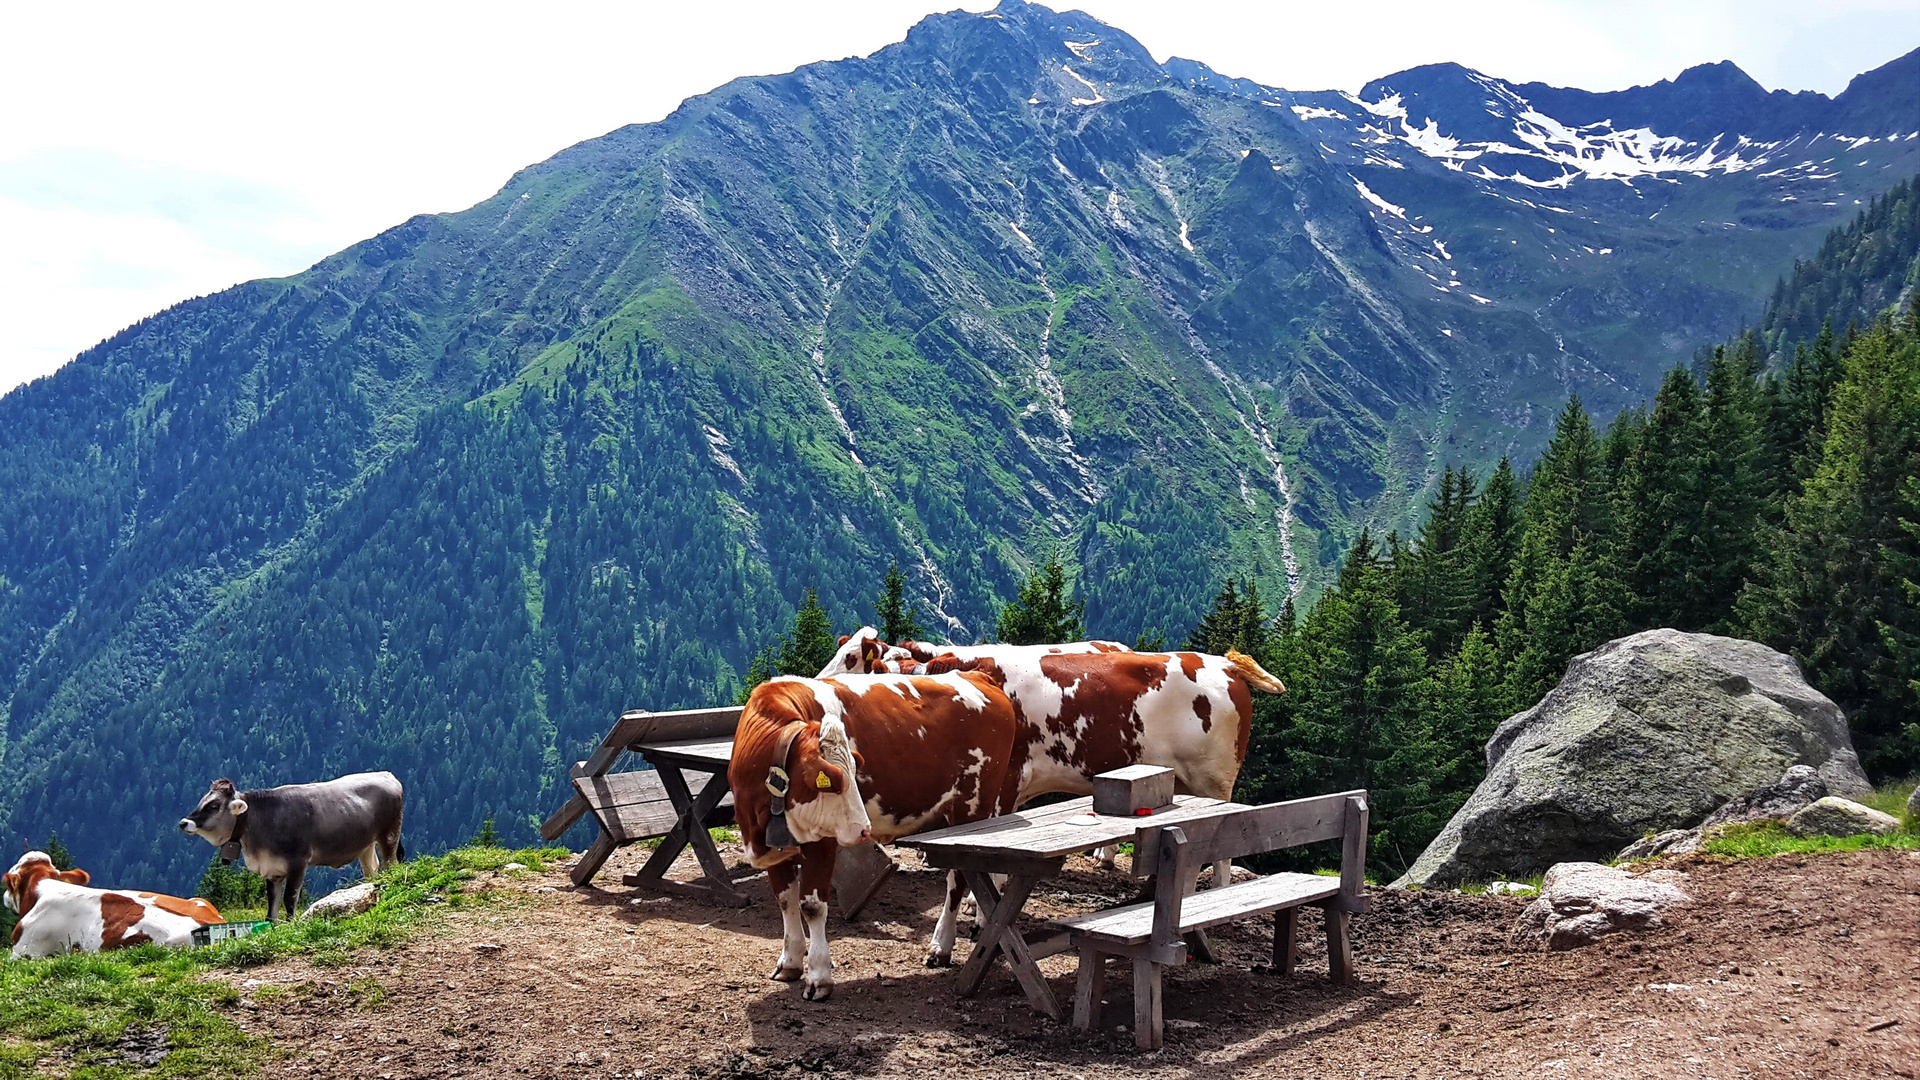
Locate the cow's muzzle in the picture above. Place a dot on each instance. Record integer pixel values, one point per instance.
(187, 825)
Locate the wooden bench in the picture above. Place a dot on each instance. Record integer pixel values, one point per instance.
(1155, 933)
(678, 800)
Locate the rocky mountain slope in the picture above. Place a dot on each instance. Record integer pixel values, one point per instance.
(450, 499)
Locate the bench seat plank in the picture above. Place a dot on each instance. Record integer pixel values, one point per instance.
(1133, 923)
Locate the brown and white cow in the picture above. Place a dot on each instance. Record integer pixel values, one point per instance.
(59, 913)
(1089, 707)
(818, 763)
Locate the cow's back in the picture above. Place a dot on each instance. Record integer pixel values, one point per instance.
(328, 823)
(1086, 713)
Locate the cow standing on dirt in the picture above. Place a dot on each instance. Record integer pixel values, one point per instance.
(941, 750)
(1088, 707)
(59, 913)
(283, 830)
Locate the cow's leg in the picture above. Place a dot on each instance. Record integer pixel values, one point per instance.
(979, 918)
(1109, 856)
(940, 954)
(1223, 873)
(370, 861)
(816, 883)
(273, 898)
(785, 879)
(290, 888)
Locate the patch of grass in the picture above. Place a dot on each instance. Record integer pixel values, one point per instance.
(1760, 839)
(1892, 799)
(86, 1004)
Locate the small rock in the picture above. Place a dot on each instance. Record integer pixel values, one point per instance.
(1670, 842)
(1582, 902)
(352, 900)
(1183, 1025)
(1913, 804)
(1511, 888)
(1835, 816)
(514, 866)
(251, 985)
(489, 948)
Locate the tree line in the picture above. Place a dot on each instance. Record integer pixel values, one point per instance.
(1779, 505)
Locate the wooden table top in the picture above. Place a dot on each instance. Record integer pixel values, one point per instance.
(1057, 829)
(711, 754)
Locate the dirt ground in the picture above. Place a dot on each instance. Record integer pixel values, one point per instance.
(1788, 967)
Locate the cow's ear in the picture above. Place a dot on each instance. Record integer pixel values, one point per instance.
(75, 876)
(830, 780)
(870, 651)
(859, 762)
(237, 807)
(844, 638)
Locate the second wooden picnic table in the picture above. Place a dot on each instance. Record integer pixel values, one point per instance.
(1029, 846)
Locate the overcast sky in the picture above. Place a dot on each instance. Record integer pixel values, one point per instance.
(150, 153)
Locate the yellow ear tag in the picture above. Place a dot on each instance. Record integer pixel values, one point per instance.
(820, 781)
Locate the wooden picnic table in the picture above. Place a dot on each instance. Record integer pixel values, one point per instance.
(678, 800)
(1028, 846)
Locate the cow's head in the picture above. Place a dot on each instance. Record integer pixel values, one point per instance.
(23, 880)
(823, 792)
(219, 811)
(859, 652)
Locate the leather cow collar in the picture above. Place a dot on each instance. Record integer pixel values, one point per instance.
(230, 850)
(778, 784)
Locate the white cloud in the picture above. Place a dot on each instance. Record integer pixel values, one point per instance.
(149, 153)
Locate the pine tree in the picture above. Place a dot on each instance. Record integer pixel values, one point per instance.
(1492, 543)
(1043, 613)
(1236, 621)
(811, 645)
(57, 851)
(1434, 578)
(1832, 590)
(898, 617)
(1731, 490)
(1658, 508)
(1577, 606)
(1468, 703)
(1357, 712)
(488, 836)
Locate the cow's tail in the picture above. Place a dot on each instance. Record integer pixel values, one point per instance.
(1257, 677)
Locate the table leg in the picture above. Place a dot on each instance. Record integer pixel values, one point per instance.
(593, 858)
(691, 830)
(1002, 935)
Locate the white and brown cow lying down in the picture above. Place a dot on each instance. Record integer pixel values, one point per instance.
(1091, 706)
(60, 914)
(943, 745)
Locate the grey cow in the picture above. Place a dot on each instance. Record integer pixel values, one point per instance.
(283, 830)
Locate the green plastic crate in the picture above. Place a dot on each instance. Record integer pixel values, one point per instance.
(213, 932)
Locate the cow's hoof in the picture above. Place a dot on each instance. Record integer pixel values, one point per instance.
(785, 974)
(939, 960)
(819, 991)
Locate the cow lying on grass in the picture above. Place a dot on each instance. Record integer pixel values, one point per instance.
(281, 831)
(60, 914)
(818, 763)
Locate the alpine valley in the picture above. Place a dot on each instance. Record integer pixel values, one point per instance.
(451, 499)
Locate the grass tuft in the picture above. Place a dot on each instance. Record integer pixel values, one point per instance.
(83, 1006)
(1760, 839)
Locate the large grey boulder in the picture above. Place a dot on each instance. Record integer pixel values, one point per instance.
(1583, 902)
(1644, 734)
(1834, 816)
